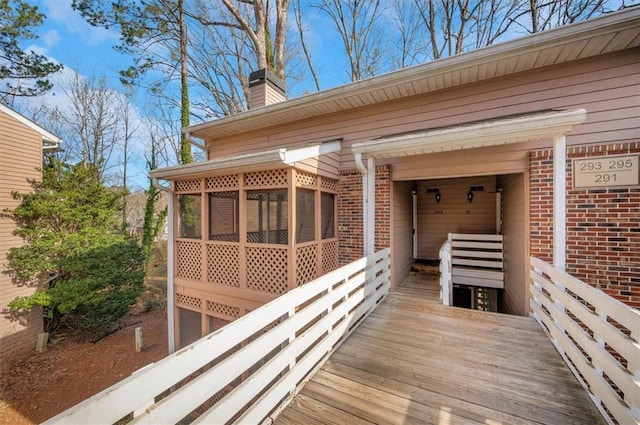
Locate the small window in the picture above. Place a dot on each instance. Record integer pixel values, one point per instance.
(223, 216)
(328, 229)
(305, 215)
(267, 216)
(189, 216)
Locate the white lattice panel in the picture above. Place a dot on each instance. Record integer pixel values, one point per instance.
(305, 264)
(305, 180)
(223, 311)
(223, 265)
(328, 184)
(223, 182)
(329, 256)
(192, 303)
(189, 260)
(189, 185)
(267, 269)
(262, 179)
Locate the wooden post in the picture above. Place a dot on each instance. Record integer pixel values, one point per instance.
(139, 343)
(41, 343)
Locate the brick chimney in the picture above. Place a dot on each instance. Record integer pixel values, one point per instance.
(265, 89)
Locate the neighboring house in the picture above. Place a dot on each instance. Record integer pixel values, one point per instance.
(466, 144)
(21, 147)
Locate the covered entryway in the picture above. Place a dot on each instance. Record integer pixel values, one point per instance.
(490, 205)
(467, 178)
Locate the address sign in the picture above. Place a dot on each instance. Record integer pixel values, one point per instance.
(606, 171)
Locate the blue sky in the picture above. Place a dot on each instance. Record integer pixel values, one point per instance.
(70, 40)
(89, 51)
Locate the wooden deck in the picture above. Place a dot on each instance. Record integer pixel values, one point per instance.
(415, 361)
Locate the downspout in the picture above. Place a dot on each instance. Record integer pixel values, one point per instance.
(368, 202)
(170, 262)
(559, 202)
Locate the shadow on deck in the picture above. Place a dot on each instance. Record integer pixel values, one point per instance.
(415, 361)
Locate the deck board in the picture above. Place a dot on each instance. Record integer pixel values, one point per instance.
(415, 361)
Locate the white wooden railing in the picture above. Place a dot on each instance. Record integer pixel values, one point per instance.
(249, 370)
(597, 335)
(446, 284)
(472, 260)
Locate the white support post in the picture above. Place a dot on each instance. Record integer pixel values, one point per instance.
(170, 262)
(559, 202)
(171, 343)
(371, 208)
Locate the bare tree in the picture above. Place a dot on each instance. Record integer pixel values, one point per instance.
(356, 21)
(410, 44)
(297, 11)
(269, 54)
(93, 120)
(546, 14)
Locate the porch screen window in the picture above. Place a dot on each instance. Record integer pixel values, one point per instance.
(305, 218)
(267, 219)
(189, 216)
(223, 216)
(327, 218)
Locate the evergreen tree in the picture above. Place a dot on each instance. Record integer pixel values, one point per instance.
(70, 225)
(21, 73)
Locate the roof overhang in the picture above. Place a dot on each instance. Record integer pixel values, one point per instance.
(258, 161)
(49, 139)
(606, 34)
(498, 131)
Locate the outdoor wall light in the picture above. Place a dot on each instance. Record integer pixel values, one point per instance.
(438, 197)
(470, 196)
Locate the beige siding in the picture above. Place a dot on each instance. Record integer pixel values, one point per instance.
(20, 157)
(454, 214)
(515, 230)
(607, 87)
(401, 231)
(325, 165)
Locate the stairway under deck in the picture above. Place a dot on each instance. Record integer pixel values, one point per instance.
(415, 361)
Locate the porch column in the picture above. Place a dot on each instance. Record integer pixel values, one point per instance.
(370, 225)
(171, 335)
(559, 202)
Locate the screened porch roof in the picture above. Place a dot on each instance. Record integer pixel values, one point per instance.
(257, 161)
(497, 131)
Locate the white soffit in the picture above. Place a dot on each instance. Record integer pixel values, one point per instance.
(609, 33)
(497, 131)
(259, 161)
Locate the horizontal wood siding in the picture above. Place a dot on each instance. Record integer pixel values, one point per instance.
(325, 165)
(454, 214)
(401, 233)
(607, 87)
(20, 158)
(515, 225)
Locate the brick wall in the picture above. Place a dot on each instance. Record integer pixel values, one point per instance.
(350, 226)
(603, 224)
(383, 207)
(350, 233)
